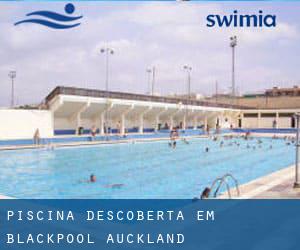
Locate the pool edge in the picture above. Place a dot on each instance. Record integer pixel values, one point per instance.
(276, 185)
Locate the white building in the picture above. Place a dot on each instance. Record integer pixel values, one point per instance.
(70, 109)
(74, 108)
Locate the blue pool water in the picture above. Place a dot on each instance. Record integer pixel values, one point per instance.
(147, 170)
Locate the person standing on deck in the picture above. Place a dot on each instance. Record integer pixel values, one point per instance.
(36, 137)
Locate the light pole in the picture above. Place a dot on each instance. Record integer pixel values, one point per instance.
(153, 72)
(217, 91)
(297, 181)
(153, 79)
(233, 44)
(149, 72)
(107, 51)
(188, 69)
(12, 75)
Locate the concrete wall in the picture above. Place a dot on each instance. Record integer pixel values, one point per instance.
(250, 122)
(266, 122)
(64, 123)
(22, 124)
(284, 122)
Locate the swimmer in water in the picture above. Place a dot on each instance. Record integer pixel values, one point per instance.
(248, 146)
(117, 185)
(205, 193)
(207, 149)
(185, 141)
(174, 144)
(93, 178)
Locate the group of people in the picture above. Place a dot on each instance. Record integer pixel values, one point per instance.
(174, 135)
(258, 143)
(106, 130)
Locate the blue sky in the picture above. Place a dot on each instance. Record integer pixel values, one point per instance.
(167, 35)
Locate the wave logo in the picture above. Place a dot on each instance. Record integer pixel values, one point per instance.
(53, 20)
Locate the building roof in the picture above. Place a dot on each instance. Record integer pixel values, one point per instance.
(60, 90)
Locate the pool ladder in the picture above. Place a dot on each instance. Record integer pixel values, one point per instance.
(223, 180)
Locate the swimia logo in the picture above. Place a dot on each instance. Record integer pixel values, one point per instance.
(242, 20)
(52, 19)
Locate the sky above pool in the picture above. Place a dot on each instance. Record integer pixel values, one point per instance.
(167, 35)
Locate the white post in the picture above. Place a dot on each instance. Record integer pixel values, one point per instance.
(141, 124)
(195, 122)
(142, 118)
(122, 132)
(102, 123)
(258, 119)
(171, 122)
(205, 123)
(184, 122)
(156, 122)
(77, 116)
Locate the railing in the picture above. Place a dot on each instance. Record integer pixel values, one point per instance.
(130, 96)
(220, 182)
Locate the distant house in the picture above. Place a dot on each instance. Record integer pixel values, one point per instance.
(294, 91)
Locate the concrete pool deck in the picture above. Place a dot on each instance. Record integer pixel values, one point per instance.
(5, 197)
(277, 185)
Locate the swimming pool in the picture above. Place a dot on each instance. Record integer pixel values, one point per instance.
(147, 170)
